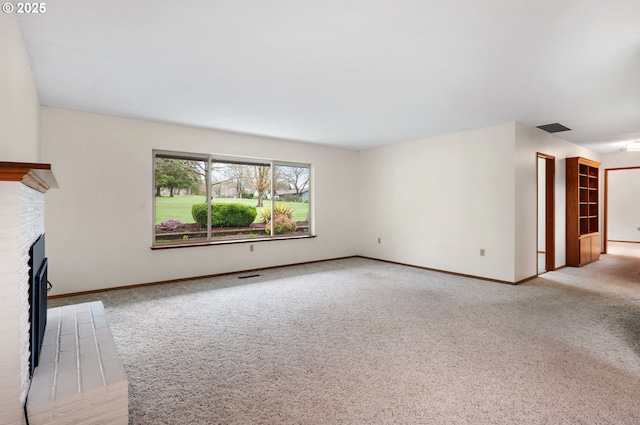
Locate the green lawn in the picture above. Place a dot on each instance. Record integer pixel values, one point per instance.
(179, 207)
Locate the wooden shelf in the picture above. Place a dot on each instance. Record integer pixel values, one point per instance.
(36, 176)
(583, 233)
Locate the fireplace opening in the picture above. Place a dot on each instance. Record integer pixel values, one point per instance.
(38, 288)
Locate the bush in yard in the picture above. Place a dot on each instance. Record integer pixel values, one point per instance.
(224, 215)
(281, 224)
(232, 215)
(278, 209)
(199, 213)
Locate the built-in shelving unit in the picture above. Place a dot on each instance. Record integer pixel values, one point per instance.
(583, 211)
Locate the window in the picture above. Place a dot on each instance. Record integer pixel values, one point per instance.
(202, 199)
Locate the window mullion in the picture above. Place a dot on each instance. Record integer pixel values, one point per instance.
(207, 180)
(273, 217)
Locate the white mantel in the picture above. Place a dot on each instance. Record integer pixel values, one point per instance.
(22, 187)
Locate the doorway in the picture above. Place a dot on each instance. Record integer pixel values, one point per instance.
(546, 223)
(621, 210)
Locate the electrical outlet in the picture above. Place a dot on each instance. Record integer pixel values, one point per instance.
(380, 239)
(482, 252)
(251, 248)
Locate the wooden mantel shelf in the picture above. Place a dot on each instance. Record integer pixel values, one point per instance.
(36, 176)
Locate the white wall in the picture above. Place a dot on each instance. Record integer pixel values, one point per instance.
(622, 212)
(99, 223)
(433, 202)
(436, 202)
(620, 159)
(530, 141)
(19, 104)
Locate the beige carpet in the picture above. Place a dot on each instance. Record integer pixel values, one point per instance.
(358, 341)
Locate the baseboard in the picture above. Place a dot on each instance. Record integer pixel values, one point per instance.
(184, 279)
(451, 273)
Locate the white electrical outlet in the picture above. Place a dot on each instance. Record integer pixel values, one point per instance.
(482, 252)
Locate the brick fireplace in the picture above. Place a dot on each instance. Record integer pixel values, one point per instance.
(22, 189)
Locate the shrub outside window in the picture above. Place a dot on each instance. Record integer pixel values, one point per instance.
(203, 199)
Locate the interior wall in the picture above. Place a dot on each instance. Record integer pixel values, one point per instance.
(530, 141)
(19, 104)
(623, 213)
(436, 202)
(620, 159)
(99, 222)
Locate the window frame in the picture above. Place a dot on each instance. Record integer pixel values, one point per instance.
(210, 159)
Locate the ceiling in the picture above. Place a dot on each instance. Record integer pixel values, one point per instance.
(347, 73)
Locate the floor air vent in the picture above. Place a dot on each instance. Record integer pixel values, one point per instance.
(247, 277)
(553, 128)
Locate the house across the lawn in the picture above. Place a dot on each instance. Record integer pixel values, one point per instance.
(293, 195)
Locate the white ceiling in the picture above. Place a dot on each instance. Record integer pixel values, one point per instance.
(350, 73)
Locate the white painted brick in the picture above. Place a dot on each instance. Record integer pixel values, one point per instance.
(108, 351)
(120, 387)
(9, 377)
(85, 329)
(67, 311)
(67, 384)
(114, 372)
(104, 334)
(71, 366)
(99, 399)
(97, 308)
(9, 294)
(83, 317)
(120, 420)
(79, 417)
(9, 353)
(11, 329)
(40, 401)
(91, 372)
(43, 377)
(8, 394)
(9, 257)
(12, 416)
(67, 326)
(82, 308)
(88, 345)
(68, 342)
(21, 222)
(50, 334)
(43, 415)
(68, 360)
(48, 354)
(100, 322)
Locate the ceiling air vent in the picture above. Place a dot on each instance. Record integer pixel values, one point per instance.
(553, 128)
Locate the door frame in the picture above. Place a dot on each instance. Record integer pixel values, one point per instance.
(550, 210)
(605, 219)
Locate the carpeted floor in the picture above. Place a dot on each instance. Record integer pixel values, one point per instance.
(357, 341)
